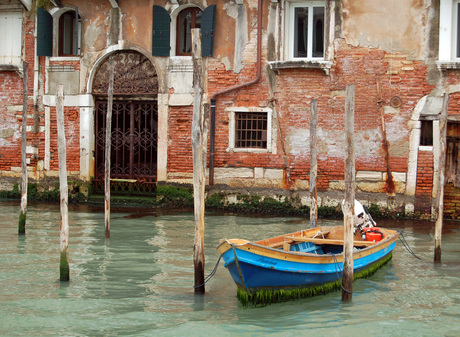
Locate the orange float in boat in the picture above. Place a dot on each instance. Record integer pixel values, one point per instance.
(373, 234)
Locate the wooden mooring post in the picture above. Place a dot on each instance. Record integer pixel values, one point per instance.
(441, 180)
(63, 188)
(23, 213)
(313, 165)
(108, 149)
(199, 147)
(347, 277)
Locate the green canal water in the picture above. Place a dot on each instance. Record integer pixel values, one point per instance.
(140, 282)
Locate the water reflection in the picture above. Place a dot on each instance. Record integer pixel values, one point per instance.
(140, 282)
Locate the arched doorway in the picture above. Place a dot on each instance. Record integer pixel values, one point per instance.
(134, 123)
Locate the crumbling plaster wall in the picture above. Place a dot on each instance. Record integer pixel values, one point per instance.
(389, 25)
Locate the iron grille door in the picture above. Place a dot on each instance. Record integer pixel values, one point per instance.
(134, 141)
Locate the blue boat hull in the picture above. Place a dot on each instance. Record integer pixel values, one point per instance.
(252, 272)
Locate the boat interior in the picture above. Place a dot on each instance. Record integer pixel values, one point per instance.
(319, 240)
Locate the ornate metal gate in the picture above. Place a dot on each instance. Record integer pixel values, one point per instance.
(134, 144)
(133, 165)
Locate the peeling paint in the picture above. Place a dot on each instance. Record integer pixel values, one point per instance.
(331, 142)
(298, 142)
(93, 33)
(6, 133)
(231, 9)
(377, 24)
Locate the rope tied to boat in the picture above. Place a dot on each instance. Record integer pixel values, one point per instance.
(406, 245)
(336, 263)
(207, 278)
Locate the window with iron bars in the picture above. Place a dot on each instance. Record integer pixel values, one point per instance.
(251, 130)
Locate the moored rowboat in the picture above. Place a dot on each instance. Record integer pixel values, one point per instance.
(301, 264)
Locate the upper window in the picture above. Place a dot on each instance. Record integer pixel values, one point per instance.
(175, 36)
(11, 40)
(306, 30)
(63, 38)
(456, 30)
(449, 31)
(187, 19)
(68, 32)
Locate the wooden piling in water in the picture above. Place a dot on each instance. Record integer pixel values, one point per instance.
(441, 180)
(347, 278)
(199, 147)
(389, 182)
(313, 165)
(108, 149)
(64, 226)
(23, 213)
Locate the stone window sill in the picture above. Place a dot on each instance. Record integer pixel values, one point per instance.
(12, 67)
(446, 65)
(64, 58)
(325, 66)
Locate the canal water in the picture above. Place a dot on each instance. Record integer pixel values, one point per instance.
(140, 282)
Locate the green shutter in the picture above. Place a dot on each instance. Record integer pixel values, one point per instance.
(160, 32)
(44, 33)
(208, 20)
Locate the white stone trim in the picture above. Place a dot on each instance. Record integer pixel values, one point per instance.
(70, 100)
(87, 142)
(162, 141)
(231, 129)
(46, 163)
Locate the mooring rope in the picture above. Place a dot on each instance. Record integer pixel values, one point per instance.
(207, 278)
(406, 245)
(337, 272)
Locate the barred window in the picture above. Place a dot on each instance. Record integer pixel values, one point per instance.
(251, 130)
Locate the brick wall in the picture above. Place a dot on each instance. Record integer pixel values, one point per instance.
(11, 111)
(451, 201)
(295, 88)
(72, 137)
(180, 157)
(424, 181)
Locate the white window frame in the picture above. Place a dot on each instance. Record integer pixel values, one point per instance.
(56, 14)
(290, 21)
(231, 130)
(448, 31)
(173, 29)
(11, 41)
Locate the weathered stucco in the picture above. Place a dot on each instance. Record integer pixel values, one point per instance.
(136, 18)
(95, 15)
(390, 25)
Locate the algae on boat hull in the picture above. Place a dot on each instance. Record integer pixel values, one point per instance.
(265, 297)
